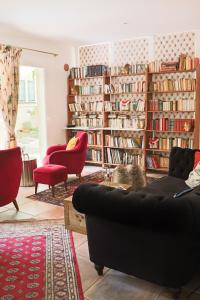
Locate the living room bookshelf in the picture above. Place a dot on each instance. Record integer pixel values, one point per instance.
(135, 115)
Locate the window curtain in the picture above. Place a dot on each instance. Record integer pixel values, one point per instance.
(9, 86)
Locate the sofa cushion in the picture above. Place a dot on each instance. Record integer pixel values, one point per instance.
(181, 162)
(167, 185)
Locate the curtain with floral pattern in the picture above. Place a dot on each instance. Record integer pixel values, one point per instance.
(9, 86)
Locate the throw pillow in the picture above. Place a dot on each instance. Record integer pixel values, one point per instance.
(72, 143)
(194, 177)
(130, 174)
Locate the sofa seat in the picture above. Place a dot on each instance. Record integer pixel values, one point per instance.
(167, 185)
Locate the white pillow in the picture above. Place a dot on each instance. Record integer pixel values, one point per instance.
(194, 177)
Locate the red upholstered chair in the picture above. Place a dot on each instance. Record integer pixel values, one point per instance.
(10, 175)
(73, 159)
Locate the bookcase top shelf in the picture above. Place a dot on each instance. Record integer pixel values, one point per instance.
(175, 71)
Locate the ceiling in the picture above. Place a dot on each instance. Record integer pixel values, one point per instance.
(91, 21)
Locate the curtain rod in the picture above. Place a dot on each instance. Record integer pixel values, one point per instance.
(40, 51)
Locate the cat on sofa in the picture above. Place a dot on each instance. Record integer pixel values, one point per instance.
(130, 174)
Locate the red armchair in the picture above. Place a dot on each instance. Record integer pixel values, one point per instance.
(73, 160)
(10, 175)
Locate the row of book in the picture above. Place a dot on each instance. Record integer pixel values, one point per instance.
(91, 106)
(88, 71)
(124, 122)
(92, 121)
(167, 143)
(172, 105)
(173, 85)
(114, 156)
(185, 63)
(93, 155)
(124, 105)
(166, 124)
(132, 87)
(128, 69)
(124, 142)
(157, 161)
(94, 138)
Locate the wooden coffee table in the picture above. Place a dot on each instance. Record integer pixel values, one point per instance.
(74, 220)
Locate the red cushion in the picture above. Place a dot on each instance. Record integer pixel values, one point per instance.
(50, 174)
(196, 158)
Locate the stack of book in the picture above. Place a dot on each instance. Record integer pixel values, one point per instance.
(93, 155)
(172, 105)
(114, 156)
(94, 138)
(88, 71)
(166, 124)
(125, 88)
(156, 161)
(173, 85)
(128, 70)
(123, 142)
(168, 143)
(187, 63)
(126, 121)
(94, 120)
(168, 66)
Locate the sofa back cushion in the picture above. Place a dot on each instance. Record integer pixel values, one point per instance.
(181, 162)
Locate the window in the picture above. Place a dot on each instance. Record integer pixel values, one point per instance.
(27, 90)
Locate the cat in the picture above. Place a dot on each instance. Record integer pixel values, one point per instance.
(130, 174)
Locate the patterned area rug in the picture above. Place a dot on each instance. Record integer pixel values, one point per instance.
(61, 194)
(38, 261)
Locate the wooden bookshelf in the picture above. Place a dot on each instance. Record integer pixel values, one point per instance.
(142, 153)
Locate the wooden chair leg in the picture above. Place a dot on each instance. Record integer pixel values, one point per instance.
(65, 184)
(16, 205)
(36, 186)
(53, 191)
(49, 187)
(79, 176)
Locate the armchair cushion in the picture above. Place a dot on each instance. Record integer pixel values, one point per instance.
(72, 143)
(148, 208)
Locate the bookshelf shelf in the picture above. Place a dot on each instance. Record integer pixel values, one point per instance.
(126, 148)
(171, 92)
(103, 125)
(127, 75)
(170, 111)
(171, 72)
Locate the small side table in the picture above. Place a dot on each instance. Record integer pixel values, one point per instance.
(74, 220)
(28, 165)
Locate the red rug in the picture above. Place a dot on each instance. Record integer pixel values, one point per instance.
(61, 194)
(38, 261)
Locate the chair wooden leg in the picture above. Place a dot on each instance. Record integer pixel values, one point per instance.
(79, 176)
(65, 184)
(49, 187)
(16, 205)
(36, 186)
(53, 191)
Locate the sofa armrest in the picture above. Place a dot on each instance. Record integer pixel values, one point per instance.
(151, 211)
(181, 162)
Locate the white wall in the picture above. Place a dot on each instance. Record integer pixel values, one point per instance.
(54, 74)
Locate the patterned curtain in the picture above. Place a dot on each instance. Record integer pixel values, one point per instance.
(9, 85)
